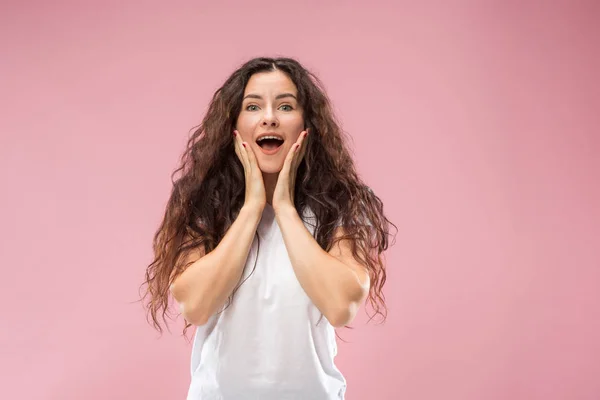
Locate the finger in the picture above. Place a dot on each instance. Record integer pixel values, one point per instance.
(252, 162)
(301, 148)
(289, 158)
(301, 140)
(239, 152)
(235, 146)
(304, 147)
(242, 153)
(250, 153)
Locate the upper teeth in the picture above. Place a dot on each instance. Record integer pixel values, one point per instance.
(269, 137)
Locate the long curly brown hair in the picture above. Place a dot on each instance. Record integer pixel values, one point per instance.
(209, 188)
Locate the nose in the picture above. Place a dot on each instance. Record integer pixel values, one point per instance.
(270, 120)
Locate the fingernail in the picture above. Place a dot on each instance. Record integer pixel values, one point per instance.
(306, 134)
(234, 133)
(244, 144)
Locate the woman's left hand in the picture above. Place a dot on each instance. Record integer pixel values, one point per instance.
(283, 196)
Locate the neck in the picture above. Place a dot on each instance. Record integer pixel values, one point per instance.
(270, 181)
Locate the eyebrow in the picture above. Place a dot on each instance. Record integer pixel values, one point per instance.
(279, 96)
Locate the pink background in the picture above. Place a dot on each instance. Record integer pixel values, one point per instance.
(475, 122)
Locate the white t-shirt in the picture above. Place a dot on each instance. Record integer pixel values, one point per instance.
(269, 343)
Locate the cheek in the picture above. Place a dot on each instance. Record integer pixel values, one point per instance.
(293, 140)
(294, 125)
(246, 126)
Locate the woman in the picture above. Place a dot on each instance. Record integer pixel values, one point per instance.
(269, 240)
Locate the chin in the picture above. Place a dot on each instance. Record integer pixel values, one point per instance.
(271, 164)
(271, 169)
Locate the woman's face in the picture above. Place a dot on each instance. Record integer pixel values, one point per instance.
(270, 107)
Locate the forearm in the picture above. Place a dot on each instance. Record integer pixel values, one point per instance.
(333, 287)
(203, 288)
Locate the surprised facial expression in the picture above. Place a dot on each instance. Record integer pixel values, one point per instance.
(271, 118)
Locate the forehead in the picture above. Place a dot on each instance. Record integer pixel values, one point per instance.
(270, 82)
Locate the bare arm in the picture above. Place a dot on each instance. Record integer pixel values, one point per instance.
(335, 282)
(203, 288)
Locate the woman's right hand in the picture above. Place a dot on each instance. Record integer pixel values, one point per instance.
(255, 186)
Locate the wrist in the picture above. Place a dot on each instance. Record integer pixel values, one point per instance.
(253, 208)
(285, 209)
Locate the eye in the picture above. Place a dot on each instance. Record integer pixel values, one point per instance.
(289, 108)
(249, 107)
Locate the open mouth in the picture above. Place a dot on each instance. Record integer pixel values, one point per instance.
(269, 144)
